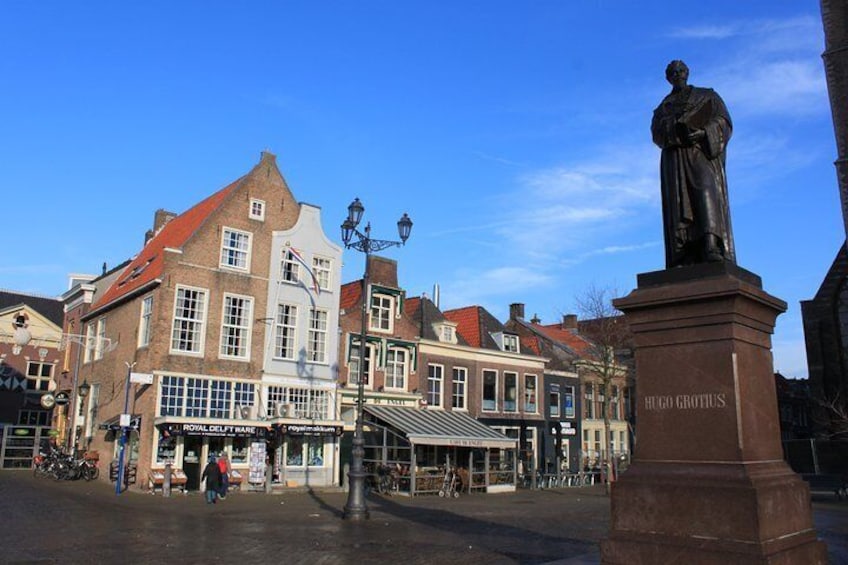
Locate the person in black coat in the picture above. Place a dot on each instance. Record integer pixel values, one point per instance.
(212, 475)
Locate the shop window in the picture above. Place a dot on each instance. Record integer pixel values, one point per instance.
(294, 452)
(240, 450)
(166, 449)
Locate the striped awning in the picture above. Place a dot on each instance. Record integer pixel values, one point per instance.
(438, 427)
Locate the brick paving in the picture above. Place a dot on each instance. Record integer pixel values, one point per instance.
(76, 522)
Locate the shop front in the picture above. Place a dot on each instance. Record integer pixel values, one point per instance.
(305, 453)
(434, 451)
(188, 445)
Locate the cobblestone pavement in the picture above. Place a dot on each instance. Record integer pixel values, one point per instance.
(76, 522)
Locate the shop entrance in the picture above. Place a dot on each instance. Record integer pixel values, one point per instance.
(191, 461)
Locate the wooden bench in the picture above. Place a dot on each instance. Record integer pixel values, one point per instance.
(829, 483)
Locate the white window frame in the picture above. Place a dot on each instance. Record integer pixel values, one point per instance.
(397, 370)
(483, 390)
(433, 395)
(381, 316)
(196, 325)
(322, 267)
(510, 343)
(353, 364)
(101, 339)
(283, 330)
(90, 343)
(239, 329)
(459, 388)
(535, 396)
(554, 410)
(506, 407)
(256, 210)
(235, 255)
(289, 268)
(566, 412)
(145, 321)
(318, 335)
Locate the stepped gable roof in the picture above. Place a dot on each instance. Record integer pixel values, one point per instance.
(50, 308)
(148, 264)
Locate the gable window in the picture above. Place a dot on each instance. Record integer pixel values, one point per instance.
(290, 268)
(257, 209)
(101, 339)
(90, 342)
(189, 320)
(321, 267)
(235, 249)
(530, 403)
(510, 392)
(38, 376)
(316, 345)
(460, 379)
(235, 326)
(286, 329)
(490, 390)
(553, 399)
(396, 368)
(382, 307)
(145, 321)
(569, 401)
(510, 343)
(435, 381)
(353, 364)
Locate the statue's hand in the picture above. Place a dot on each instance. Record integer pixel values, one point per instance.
(696, 135)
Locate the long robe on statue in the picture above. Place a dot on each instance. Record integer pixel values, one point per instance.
(694, 184)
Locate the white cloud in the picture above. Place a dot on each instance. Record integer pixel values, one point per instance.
(474, 287)
(705, 32)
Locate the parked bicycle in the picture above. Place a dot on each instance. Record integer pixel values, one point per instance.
(59, 465)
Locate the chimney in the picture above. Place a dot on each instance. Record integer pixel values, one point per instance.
(569, 321)
(516, 311)
(536, 319)
(383, 271)
(160, 218)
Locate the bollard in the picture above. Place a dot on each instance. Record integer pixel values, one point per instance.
(559, 471)
(166, 484)
(269, 476)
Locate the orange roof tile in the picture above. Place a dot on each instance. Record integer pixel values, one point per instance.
(467, 322)
(410, 305)
(555, 332)
(351, 294)
(148, 264)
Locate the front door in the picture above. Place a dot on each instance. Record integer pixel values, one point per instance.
(192, 461)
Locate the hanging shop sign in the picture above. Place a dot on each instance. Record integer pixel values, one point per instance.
(114, 424)
(215, 430)
(310, 430)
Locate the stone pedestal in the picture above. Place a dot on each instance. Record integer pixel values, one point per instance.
(708, 484)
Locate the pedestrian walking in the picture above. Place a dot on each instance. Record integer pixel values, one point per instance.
(224, 468)
(212, 475)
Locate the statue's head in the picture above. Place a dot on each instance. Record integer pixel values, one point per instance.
(677, 73)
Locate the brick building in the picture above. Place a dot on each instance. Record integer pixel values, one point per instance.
(221, 333)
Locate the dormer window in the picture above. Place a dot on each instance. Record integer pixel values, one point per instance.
(257, 209)
(507, 342)
(446, 333)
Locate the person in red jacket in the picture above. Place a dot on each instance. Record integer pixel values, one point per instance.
(225, 470)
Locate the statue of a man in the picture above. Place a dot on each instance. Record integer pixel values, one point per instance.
(692, 126)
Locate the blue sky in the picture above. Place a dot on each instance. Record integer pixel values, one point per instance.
(515, 134)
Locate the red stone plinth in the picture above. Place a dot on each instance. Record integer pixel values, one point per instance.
(708, 483)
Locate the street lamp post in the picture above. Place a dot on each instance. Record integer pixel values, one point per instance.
(124, 429)
(82, 392)
(355, 508)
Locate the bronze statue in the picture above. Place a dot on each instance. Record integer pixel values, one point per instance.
(692, 126)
